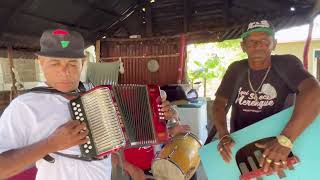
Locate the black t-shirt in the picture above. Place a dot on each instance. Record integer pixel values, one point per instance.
(271, 95)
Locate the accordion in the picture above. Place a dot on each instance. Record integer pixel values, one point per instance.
(118, 117)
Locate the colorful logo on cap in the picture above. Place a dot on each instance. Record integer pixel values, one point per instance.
(61, 32)
(260, 24)
(64, 44)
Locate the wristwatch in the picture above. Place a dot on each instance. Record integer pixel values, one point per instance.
(284, 141)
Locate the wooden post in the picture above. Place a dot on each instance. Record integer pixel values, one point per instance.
(13, 92)
(98, 45)
(182, 47)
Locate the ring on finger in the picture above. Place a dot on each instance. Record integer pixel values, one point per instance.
(224, 143)
(264, 156)
(277, 163)
(268, 160)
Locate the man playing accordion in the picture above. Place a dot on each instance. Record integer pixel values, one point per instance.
(37, 124)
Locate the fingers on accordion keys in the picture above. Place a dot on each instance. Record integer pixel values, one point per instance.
(290, 167)
(243, 168)
(163, 95)
(281, 174)
(258, 156)
(253, 166)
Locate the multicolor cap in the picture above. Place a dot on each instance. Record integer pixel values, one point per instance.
(61, 43)
(259, 26)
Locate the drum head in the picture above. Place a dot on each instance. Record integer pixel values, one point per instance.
(163, 169)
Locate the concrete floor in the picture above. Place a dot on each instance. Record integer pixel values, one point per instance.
(117, 174)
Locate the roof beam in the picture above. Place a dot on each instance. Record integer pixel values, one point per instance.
(16, 10)
(93, 7)
(186, 15)
(149, 20)
(92, 4)
(227, 5)
(124, 15)
(58, 23)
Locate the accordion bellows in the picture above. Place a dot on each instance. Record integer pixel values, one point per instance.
(120, 116)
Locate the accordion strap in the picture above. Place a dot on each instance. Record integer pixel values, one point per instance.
(49, 90)
(72, 156)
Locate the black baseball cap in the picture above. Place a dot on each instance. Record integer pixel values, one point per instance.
(258, 26)
(61, 43)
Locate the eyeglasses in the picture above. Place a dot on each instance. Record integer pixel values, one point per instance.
(254, 43)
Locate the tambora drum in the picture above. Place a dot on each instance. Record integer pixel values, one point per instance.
(179, 159)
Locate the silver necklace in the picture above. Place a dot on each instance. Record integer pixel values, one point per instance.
(256, 91)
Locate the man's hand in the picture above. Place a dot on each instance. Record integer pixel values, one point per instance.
(168, 110)
(134, 172)
(67, 135)
(225, 146)
(179, 129)
(274, 156)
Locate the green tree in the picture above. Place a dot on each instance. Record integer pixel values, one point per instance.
(233, 46)
(203, 56)
(208, 70)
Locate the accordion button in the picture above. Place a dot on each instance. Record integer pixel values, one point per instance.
(78, 105)
(73, 104)
(77, 117)
(76, 113)
(82, 119)
(85, 146)
(88, 142)
(80, 114)
(75, 108)
(90, 147)
(87, 151)
(79, 110)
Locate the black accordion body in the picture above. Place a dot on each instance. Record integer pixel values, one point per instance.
(118, 117)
